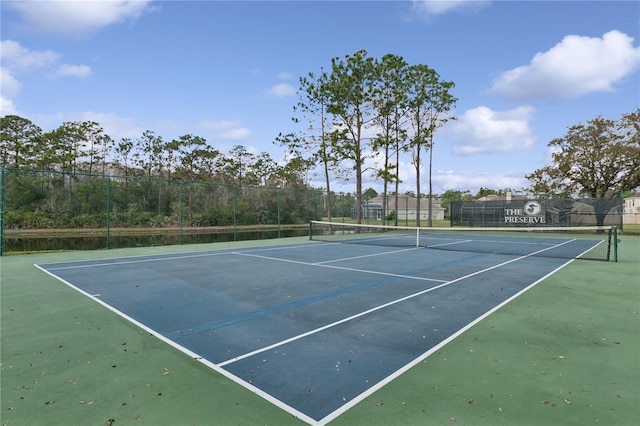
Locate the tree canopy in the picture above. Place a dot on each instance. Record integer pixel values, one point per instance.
(599, 159)
(84, 147)
(368, 108)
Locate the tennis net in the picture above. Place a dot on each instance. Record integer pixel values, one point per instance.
(583, 242)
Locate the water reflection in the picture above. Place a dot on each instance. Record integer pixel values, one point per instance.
(16, 245)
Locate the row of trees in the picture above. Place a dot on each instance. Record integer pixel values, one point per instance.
(366, 107)
(363, 107)
(85, 147)
(598, 159)
(55, 200)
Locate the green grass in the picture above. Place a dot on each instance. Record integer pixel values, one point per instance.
(631, 229)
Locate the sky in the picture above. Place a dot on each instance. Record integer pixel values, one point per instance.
(228, 71)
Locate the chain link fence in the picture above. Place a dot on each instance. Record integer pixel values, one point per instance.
(146, 211)
(46, 210)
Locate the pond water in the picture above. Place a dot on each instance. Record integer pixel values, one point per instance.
(17, 245)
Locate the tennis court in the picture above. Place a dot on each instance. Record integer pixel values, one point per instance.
(315, 327)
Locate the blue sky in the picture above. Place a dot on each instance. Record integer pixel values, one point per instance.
(229, 71)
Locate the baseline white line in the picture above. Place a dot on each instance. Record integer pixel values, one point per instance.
(129, 262)
(142, 259)
(294, 412)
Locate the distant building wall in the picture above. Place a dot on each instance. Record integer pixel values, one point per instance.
(631, 212)
(407, 208)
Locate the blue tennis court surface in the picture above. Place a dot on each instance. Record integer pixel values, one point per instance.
(313, 327)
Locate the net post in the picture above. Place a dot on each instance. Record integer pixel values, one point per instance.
(108, 212)
(2, 206)
(417, 237)
(615, 243)
(180, 209)
(310, 230)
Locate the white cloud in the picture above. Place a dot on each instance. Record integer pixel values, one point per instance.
(468, 180)
(236, 135)
(281, 90)
(9, 86)
(115, 126)
(226, 130)
(482, 130)
(66, 70)
(427, 8)
(82, 17)
(443, 180)
(18, 58)
(7, 107)
(576, 66)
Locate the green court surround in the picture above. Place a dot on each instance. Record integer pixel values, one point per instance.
(565, 352)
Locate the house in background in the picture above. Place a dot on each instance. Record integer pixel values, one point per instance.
(407, 208)
(631, 212)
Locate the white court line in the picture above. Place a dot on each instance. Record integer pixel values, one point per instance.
(364, 255)
(145, 258)
(275, 401)
(219, 366)
(129, 262)
(449, 244)
(377, 308)
(323, 265)
(344, 408)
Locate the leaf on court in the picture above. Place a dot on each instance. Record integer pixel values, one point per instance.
(49, 402)
(378, 404)
(566, 401)
(166, 372)
(544, 402)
